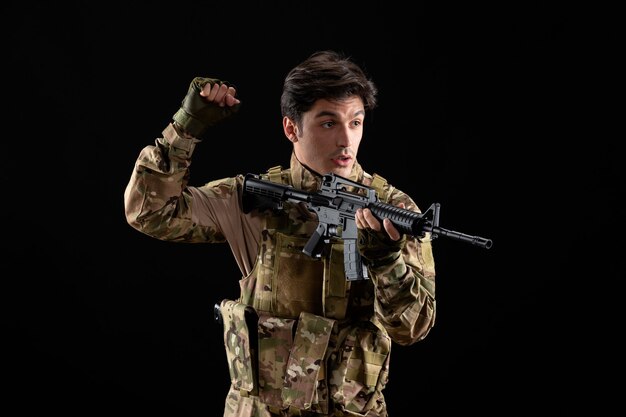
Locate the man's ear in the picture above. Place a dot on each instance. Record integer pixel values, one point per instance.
(291, 129)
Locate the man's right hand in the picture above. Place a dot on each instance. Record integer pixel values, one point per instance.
(208, 101)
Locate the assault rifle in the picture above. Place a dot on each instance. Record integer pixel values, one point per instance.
(336, 208)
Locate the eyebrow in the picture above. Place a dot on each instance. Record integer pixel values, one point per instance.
(324, 113)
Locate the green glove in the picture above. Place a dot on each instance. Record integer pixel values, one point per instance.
(377, 248)
(196, 114)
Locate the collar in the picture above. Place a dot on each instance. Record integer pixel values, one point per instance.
(303, 178)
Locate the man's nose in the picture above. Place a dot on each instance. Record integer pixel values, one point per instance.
(343, 138)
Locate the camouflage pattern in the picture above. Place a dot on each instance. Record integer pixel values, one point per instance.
(361, 368)
(305, 361)
(239, 350)
(275, 341)
(238, 405)
(299, 374)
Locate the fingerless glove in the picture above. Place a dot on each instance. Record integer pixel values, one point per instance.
(196, 114)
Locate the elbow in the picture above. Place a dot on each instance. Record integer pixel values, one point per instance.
(412, 328)
(132, 208)
(132, 221)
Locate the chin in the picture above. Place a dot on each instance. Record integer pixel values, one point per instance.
(343, 172)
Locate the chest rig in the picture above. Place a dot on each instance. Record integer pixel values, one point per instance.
(285, 281)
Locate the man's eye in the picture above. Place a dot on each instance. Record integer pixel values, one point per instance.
(328, 124)
(357, 123)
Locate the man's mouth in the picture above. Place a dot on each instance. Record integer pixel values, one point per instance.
(342, 160)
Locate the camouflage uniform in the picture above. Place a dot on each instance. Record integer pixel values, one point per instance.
(301, 339)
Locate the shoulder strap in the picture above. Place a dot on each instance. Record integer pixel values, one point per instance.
(274, 173)
(382, 187)
(278, 174)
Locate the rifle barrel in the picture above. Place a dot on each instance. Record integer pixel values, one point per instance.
(474, 240)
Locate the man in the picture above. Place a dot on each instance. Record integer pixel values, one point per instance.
(301, 339)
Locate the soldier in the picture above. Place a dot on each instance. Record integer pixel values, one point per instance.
(300, 340)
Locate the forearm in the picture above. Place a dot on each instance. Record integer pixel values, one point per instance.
(405, 293)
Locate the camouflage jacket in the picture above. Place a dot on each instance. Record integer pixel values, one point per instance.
(397, 302)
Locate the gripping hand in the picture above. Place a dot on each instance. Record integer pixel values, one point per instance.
(198, 113)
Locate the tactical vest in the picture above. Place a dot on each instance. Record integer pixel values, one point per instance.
(300, 333)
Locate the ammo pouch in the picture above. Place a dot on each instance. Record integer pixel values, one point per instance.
(290, 369)
(360, 370)
(291, 356)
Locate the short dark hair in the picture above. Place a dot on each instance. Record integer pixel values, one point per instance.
(326, 75)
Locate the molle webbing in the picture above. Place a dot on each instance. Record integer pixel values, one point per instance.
(379, 184)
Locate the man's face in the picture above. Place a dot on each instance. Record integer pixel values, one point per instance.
(329, 137)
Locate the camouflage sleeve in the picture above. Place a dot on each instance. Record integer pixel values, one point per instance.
(404, 277)
(157, 200)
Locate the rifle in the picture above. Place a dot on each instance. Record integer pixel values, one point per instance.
(336, 209)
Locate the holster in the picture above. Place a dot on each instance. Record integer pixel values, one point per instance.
(240, 340)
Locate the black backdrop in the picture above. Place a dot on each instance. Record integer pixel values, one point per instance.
(499, 113)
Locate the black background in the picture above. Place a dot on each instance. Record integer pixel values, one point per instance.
(503, 114)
